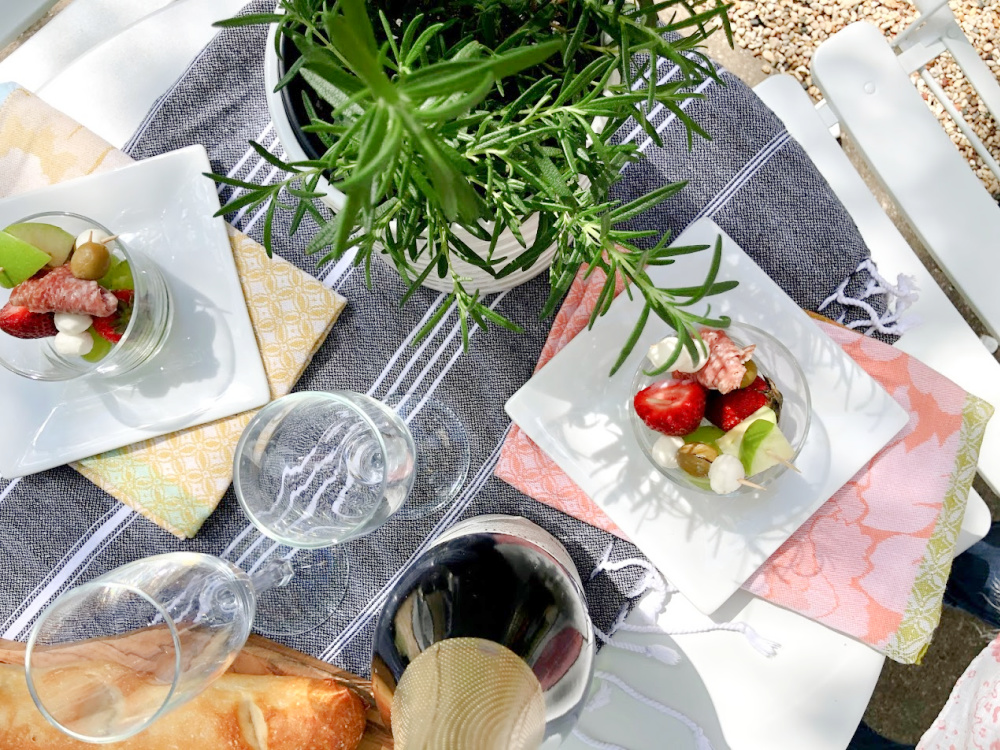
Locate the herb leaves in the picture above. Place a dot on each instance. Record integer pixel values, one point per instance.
(477, 114)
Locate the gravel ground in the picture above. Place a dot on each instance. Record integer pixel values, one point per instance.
(784, 33)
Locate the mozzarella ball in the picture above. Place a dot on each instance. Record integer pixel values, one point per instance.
(71, 323)
(90, 235)
(664, 350)
(73, 344)
(725, 473)
(665, 451)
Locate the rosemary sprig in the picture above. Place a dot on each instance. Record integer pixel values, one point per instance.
(440, 114)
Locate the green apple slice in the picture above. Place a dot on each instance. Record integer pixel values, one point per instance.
(707, 433)
(119, 276)
(101, 347)
(763, 446)
(19, 260)
(48, 238)
(730, 442)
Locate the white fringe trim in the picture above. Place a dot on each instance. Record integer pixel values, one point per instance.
(657, 651)
(762, 645)
(586, 739)
(701, 740)
(652, 580)
(901, 297)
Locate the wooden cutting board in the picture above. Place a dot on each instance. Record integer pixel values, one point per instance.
(262, 656)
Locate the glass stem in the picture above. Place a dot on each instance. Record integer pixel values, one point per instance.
(273, 575)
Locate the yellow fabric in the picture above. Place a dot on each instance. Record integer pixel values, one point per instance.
(176, 480)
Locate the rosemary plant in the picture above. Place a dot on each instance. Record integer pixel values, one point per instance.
(437, 114)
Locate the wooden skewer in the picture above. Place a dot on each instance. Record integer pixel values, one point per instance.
(106, 240)
(748, 483)
(785, 462)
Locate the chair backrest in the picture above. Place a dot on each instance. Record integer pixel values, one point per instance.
(934, 32)
(870, 95)
(870, 91)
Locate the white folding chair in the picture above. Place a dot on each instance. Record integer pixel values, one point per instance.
(870, 95)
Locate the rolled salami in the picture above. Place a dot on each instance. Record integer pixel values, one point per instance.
(726, 364)
(60, 291)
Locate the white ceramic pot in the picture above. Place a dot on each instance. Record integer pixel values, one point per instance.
(507, 245)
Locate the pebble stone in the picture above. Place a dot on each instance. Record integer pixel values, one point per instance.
(785, 33)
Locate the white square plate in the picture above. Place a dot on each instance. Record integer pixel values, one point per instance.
(209, 366)
(706, 546)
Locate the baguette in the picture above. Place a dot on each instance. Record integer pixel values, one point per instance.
(236, 712)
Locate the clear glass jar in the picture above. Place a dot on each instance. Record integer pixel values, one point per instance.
(774, 361)
(143, 337)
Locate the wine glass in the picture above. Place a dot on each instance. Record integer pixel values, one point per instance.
(108, 658)
(316, 469)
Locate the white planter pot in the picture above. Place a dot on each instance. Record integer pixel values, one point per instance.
(507, 247)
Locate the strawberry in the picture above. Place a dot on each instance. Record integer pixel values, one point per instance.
(726, 410)
(673, 407)
(768, 388)
(112, 327)
(24, 324)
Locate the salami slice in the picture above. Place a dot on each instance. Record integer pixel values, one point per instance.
(60, 291)
(726, 367)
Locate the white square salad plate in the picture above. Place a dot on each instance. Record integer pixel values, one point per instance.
(209, 366)
(706, 546)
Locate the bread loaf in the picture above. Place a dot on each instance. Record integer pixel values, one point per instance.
(237, 712)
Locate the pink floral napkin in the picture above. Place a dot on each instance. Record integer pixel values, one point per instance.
(873, 560)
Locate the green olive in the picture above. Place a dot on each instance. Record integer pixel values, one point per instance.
(750, 375)
(696, 458)
(90, 261)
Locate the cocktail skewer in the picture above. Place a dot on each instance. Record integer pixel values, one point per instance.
(785, 462)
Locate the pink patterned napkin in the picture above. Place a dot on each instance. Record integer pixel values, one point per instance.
(873, 560)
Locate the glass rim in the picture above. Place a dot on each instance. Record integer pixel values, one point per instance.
(805, 394)
(338, 396)
(139, 284)
(33, 637)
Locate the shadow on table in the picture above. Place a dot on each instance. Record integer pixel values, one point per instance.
(637, 701)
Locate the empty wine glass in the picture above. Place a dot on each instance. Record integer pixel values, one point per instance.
(316, 469)
(108, 658)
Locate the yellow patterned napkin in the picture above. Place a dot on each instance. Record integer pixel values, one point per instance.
(175, 480)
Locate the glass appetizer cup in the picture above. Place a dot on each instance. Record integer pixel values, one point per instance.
(144, 335)
(774, 361)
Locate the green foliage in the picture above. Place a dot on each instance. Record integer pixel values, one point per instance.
(438, 114)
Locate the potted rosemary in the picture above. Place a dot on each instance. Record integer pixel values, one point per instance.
(466, 141)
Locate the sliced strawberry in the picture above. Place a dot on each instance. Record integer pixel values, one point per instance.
(22, 323)
(124, 295)
(673, 407)
(112, 327)
(726, 410)
(770, 390)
